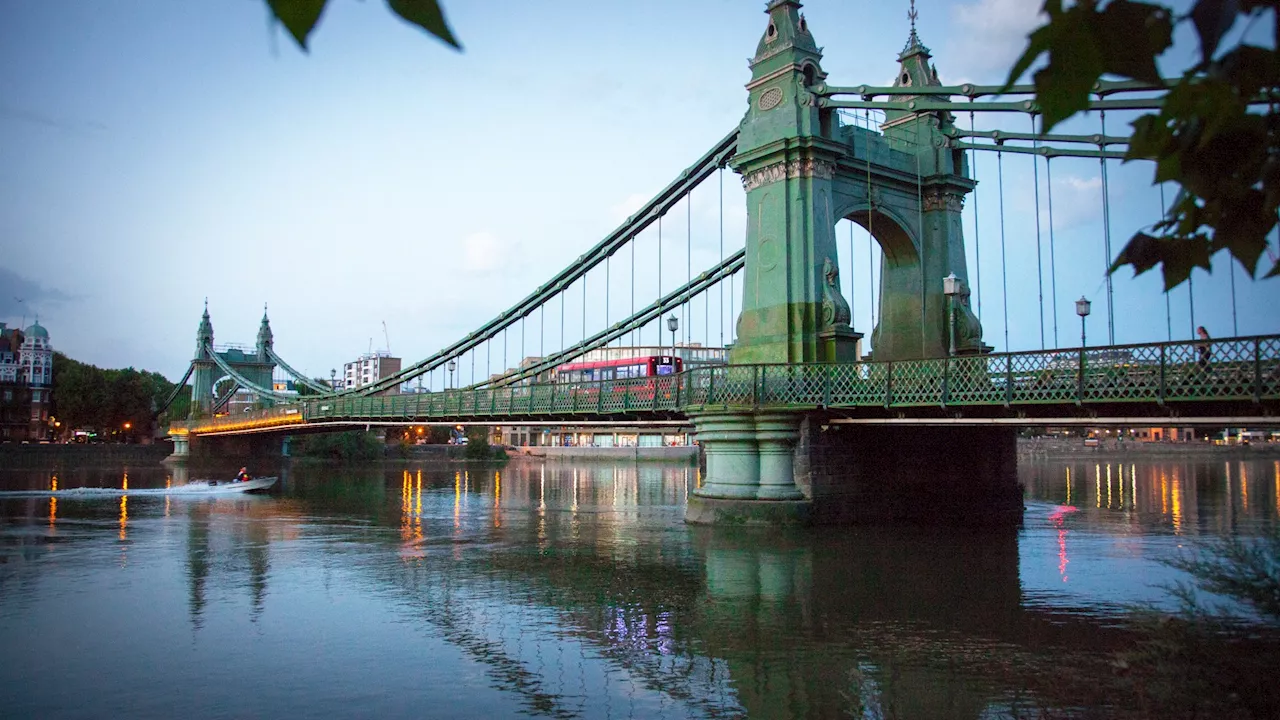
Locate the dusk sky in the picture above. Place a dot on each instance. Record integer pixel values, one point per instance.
(157, 153)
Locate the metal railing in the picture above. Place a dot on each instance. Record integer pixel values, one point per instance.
(1231, 369)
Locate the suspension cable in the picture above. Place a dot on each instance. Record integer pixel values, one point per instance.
(1053, 258)
(1168, 311)
(1004, 271)
(1191, 299)
(1035, 172)
(720, 182)
(633, 285)
(1231, 267)
(852, 302)
(607, 291)
(1106, 230)
(659, 343)
(871, 259)
(977, 226)
(687, 310)
(924, 282)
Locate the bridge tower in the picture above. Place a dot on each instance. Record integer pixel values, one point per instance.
(803, 171)
(258, 367)
(202, 377)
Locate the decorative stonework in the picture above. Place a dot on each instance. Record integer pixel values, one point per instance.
(939, 200)
(770, 99)
(802, 167)
(835, 310)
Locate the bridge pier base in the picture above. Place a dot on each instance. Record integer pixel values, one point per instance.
(181, 449)
(963, 476)
(790, 469)
(750, 476)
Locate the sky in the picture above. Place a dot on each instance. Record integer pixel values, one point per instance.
(155, 154)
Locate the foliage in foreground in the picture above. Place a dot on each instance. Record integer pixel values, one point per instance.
(300, 17)
(1198, 663)
(1224, 155)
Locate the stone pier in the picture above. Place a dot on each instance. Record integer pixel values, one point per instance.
(795, 468)
(750, 476)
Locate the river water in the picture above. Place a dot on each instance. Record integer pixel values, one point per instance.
(575, 590)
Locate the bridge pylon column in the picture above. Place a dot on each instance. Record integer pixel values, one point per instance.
(202, 377)
(750, 476)
(792, 307)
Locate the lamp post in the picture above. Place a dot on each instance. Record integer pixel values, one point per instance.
(333, 379)
(453, 365)
(1082, 309)
(951, 288)
(673, 324)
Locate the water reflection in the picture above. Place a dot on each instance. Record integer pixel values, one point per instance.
(1194, 497)
(575, 590)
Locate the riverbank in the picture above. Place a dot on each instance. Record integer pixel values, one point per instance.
(19, 455)
(1045, 448)
(687, 453)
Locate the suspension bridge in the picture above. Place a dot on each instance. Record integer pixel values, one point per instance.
(800, 408)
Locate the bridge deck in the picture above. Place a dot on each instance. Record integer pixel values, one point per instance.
(1229, 377)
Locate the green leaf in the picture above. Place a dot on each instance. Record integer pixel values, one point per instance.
(1213, 18)
(427, 15)
(1130, 35)
(1178, 256)
(298, 16)
(1075, 64)
(1150, 138)
(1040, 40)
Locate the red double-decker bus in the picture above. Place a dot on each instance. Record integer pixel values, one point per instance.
(623, 369)
(636, 379)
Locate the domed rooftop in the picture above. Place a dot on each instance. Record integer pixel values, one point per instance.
(37, 330)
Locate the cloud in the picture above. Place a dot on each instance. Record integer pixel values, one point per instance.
(989, 36)
(481, 252)
(1076, 201)
(25, 297)
(619, 212)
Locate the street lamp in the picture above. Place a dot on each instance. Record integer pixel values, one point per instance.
(453, 365)
(673, 324)
(333, 379)
(1082, 309)
(951, 288)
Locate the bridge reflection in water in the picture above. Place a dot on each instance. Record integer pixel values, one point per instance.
(575, 590)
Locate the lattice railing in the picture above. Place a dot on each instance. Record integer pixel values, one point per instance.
(1234, 369)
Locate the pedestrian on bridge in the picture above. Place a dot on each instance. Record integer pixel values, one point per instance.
(1203, 348)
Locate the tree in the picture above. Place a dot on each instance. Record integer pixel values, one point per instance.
(299, 17)
(1217, 134)
(86, 396)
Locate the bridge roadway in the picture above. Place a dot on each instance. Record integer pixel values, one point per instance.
(1220, 382)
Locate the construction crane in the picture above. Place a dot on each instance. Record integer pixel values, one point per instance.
(386, 337)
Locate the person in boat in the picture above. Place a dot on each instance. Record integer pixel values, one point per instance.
(243, 475)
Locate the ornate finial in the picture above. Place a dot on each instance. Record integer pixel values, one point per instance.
(912, 15)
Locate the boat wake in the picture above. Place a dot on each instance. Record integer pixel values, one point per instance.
(192, 489)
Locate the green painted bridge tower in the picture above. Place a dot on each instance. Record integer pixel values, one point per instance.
(803, 171)
(209, 366)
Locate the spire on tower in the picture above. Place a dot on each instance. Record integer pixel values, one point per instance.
(913, 46)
